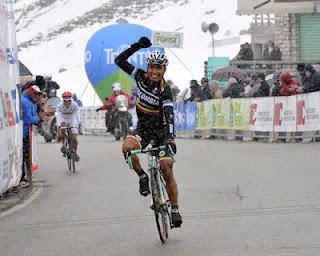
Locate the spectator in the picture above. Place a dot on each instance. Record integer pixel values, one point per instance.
(264, 89)
(29, 101)
(252, 87)
(234, 89)
(75, 99)
(206, 93)
(39, 81)
(241, 53)
(275, 90)
(195, 91)
(312, 81)
(288, 86)
(215, 90)
(248, 52)
(302, 72)
(275, 54)
(266, 54)
(174, 89)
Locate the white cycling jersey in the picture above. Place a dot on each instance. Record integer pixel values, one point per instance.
(69, 114)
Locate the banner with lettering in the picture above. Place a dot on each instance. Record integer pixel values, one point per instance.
(221, 113)
(308, 112)
(10, 121)
(284, 114)
(261, 114)
(240, 114)
(205, 114)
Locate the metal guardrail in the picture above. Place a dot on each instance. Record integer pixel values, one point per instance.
(269, 66)
(246, 136)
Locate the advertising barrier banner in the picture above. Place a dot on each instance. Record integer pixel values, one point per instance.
(270, 114)
(33, 151)
(285, 114)
(221, 113)
(261, 114)
(205, 115)
(240, 114)
(10, 121)
(308, 112)
(191, 116)
(185, 116)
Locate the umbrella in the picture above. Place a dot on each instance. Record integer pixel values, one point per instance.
(23, 70)
(223, 74)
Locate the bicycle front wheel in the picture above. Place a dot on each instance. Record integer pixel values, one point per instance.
(73, 161)
(67, 155)
(160, 210)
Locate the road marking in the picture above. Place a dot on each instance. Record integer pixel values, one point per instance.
(25, 203)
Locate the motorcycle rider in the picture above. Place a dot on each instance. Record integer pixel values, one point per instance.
(154, 106)
(111, 102)
(68, 114)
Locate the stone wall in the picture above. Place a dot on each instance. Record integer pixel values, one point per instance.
(287, 36)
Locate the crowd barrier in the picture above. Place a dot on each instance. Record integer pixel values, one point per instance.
(270, 118)
(10, 122)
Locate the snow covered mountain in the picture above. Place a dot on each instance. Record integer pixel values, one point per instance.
(52, 34)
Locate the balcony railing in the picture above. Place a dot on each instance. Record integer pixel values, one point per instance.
(269, 66)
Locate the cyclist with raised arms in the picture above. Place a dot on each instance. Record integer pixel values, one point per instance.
(154, 107)
(68, 114)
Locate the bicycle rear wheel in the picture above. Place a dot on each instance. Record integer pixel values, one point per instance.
(160, 211)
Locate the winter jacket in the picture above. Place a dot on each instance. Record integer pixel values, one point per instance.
(30, 114)
(275, 54)
(263, 91)
(289, 85)
(206, 93)
(312, 84)
(196, 92)
(233, 91)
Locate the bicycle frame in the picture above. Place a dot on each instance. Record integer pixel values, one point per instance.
(69, 146)
(161, 203)
(154, 169)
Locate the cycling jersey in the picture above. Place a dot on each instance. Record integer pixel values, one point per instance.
(154, 101)
(69, 114)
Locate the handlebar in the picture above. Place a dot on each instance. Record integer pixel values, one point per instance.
(68, 127)
(149, 150)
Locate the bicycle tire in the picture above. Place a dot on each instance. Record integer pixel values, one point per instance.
(73, 161)
(67, 154)
(70, 150)
(72, 154)
(161, 215)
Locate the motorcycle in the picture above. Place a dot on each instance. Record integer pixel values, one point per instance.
(122, 117)
(49, 129)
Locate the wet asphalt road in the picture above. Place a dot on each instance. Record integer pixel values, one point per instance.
(235, 199)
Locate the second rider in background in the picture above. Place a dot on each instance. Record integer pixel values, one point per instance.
(68, 114)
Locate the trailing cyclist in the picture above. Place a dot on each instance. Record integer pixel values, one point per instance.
(155, 119)
(68, 114)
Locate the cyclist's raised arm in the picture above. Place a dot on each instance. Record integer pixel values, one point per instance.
(167, 105)
(122, 59)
